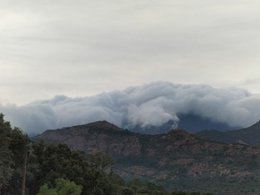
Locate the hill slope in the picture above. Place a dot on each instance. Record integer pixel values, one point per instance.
(249, 136)
(178, 160)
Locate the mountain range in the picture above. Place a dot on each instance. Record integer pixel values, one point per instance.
(178, 160)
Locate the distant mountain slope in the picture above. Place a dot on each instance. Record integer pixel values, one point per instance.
(178, 160)
(193, 123)
(250, 135)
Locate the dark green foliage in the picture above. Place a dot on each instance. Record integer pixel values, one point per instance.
(13, 148)
(58, 161)
(144, 187)
(6, 161)
(62, 187)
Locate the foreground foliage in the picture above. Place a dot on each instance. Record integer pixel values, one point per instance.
(62, 187)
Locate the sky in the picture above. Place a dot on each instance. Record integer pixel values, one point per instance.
(83, 48)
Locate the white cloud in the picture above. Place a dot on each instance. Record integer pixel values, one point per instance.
(148, 105)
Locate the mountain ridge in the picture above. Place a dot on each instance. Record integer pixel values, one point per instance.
(177, 160)
(248, 136)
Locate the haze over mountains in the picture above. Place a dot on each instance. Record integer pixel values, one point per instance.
(149, 106)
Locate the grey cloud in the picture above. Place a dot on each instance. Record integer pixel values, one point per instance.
(149, 105)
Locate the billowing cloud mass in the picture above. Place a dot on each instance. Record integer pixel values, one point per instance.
(148, 105)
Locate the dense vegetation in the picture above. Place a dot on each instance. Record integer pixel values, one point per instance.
(31, 168)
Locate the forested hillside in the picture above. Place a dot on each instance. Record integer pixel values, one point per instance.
(31, 168)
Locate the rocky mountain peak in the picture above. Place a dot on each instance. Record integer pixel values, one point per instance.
(103, 125)
(179, 133)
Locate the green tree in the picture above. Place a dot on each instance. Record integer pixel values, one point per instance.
(45, 190)
(19, 146)
(6, 161)
(12, 158)
(62, 187)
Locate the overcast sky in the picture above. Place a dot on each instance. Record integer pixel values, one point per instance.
(83, 47)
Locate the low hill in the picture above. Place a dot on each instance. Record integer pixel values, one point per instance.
(177, 160)
(249, 136)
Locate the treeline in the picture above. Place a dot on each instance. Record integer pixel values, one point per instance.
(30, 168)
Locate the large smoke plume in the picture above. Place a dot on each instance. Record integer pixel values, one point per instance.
(149, 105)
